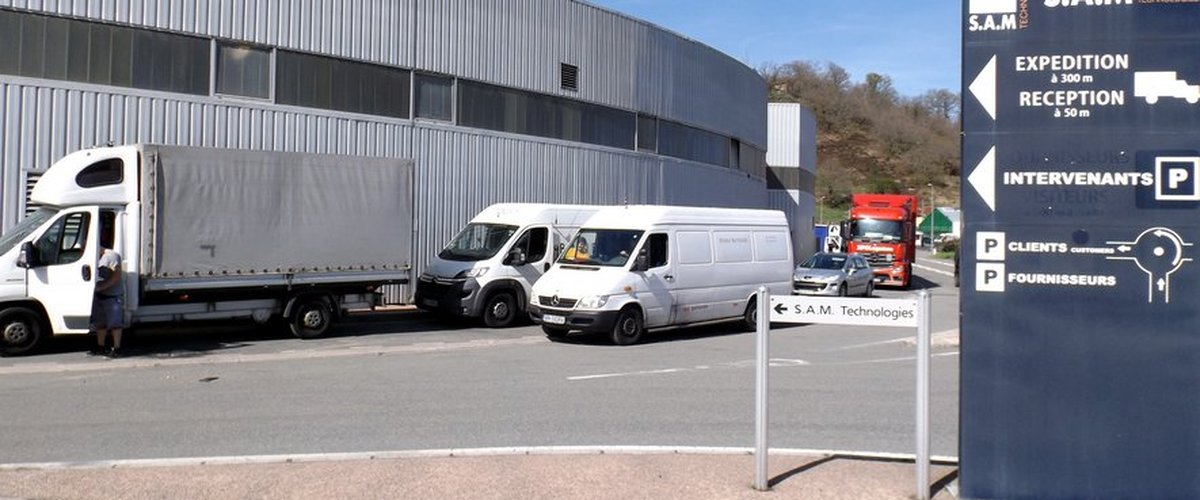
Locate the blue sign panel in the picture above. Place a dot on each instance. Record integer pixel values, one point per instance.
(1081, 249)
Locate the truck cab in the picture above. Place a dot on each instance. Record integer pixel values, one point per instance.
(48, 260)
(488, 269)
(882, 228)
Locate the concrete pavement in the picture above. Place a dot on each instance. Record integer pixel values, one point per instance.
(581, 475)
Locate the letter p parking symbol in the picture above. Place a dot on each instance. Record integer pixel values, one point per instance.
(1177, 178)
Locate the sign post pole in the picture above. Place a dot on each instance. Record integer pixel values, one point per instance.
(923, 341)
(760, 393)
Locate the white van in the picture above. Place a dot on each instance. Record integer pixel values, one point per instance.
(639, 267)
(488, 269)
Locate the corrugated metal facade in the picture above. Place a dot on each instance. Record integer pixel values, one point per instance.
(792, 144)
(459, 170)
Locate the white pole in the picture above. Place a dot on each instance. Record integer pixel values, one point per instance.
(923, 342)
(760, 393)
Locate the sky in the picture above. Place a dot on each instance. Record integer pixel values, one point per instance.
(918, 43)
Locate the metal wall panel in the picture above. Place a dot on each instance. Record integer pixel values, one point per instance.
(799, 207)
(683, 80)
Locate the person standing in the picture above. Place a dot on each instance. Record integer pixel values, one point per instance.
(108, 302)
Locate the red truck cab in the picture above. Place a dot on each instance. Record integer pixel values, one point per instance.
(882, 228)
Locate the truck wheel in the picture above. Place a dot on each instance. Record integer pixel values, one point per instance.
(555, 333)
(311, 318)
(629, 327)
(21, 331)
(500, 310)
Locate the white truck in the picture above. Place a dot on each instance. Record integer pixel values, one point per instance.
(488, 269)
(635, 268)
(206, 234)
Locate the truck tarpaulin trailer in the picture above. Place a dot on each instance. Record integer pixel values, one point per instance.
(207, 234)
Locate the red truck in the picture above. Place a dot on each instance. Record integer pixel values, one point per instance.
(882, 228)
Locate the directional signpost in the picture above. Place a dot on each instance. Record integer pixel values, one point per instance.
(1081, 294)
(906, 313)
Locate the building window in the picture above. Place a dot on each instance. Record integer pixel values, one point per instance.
(327, 83)
(690, 143)
(519, 112)
(647, 134)
(569, 76)
(243, 70)
(39, 46)
(434, 97)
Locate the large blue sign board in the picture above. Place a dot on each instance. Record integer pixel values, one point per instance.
(1080, 266)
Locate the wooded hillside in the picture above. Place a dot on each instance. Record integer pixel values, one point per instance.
(870, 138)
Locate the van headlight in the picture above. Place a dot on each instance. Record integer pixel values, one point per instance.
(472, 273)
(533, 300)
(593, 302)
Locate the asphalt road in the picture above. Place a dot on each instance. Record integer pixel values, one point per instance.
(406, 381)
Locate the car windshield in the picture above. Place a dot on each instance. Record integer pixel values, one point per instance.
(876, 230)
(477, 242)
(21, 230)
(601, 247)
(824, 261)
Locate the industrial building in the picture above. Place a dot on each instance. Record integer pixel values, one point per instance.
(552, 101)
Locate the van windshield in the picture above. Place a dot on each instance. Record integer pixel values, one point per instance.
(477, 242)
(601, 247)
(20, 231)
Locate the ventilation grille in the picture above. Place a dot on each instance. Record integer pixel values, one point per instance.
(569, 76)
(31, 178)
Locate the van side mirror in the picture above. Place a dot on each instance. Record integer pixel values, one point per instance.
(516, 257)
(28, 256)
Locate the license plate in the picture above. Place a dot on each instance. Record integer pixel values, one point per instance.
(430, 302)
(554, 320)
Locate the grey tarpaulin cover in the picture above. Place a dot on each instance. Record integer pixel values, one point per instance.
(218, 212)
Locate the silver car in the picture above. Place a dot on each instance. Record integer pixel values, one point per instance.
(834, 274)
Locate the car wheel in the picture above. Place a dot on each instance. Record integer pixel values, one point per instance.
(311, 318)
(842, 290)
(21, 331)
(555, 333)
(628, 328)
(870, 289)
(500, 310)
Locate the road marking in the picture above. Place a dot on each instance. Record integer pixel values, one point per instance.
(902, 340)
(888, 360)
(211, 359)
(455, 452)
(631, 374)
(932, 270)
(937, 262)
(775, 362)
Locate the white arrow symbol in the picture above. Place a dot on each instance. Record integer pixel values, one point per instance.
(984, 179)
(1162, 284)
(984, 87)
(1124, 248)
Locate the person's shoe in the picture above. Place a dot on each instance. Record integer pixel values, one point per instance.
(97, 351)
(113, 353)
